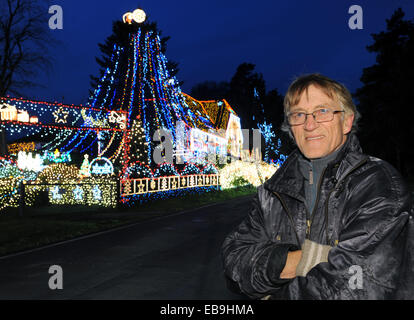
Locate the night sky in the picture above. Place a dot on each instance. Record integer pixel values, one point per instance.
(209, 39)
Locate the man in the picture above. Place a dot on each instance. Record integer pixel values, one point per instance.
(331, 223)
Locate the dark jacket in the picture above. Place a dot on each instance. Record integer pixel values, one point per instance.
(363, 210)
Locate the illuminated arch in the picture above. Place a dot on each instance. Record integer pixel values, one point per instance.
(95, 168)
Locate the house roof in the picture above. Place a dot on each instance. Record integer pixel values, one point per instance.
(217, 112)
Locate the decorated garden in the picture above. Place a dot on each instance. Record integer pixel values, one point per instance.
(139, 138)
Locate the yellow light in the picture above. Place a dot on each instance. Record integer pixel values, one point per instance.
(247, 170)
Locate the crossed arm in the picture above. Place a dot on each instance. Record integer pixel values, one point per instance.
(292, 261)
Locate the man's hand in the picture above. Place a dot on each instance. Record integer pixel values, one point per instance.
(292, 261)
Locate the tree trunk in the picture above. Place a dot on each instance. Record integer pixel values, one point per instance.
(3, 143)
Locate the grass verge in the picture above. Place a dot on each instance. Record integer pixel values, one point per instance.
(41, 226)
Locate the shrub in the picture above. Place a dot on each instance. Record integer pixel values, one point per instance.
(239, 181)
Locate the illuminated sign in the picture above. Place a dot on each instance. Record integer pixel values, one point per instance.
(119, 119)
(101, 165)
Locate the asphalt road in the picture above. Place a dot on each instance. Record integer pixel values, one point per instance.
(175, 257)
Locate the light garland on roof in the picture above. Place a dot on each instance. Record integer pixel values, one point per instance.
(135, 97)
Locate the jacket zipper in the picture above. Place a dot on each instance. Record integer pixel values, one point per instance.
(289, 215)
(310, 219)
(360, 164)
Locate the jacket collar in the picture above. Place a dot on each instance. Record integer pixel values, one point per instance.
(289, 180)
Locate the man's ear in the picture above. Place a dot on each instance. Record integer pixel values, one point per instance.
(348, 121)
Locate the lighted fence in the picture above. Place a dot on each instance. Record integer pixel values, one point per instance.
(131, 187)
(102, 192)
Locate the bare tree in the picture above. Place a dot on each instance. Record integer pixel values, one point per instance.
(24, 38)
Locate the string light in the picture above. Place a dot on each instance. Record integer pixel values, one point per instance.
(135, 97)
(249, 171)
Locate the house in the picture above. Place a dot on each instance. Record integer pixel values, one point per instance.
(218, 129)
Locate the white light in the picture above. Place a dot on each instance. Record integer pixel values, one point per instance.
(78, 193)
(60, 115)
(137, 15)
(95, 168)
(96, 193)
(56, 193)
(26, 161)
(117, 118)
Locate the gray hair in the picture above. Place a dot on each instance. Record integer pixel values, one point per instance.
(331, 88)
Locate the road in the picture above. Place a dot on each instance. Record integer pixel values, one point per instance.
(173, 258)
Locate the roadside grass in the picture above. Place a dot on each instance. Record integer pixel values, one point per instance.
(50, 224)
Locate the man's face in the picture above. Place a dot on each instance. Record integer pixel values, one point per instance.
(317, 140)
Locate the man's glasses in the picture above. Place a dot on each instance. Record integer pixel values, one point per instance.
(320, 115)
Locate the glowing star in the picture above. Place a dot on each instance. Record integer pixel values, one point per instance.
(78, 193)
(56, 193)
(174, 184)
(141, 187)
(60, 115)
(97, 194)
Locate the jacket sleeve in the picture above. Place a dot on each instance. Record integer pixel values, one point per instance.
(251, 259)
(372, 253)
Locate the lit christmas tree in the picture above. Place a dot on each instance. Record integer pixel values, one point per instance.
(84, 170)
(138, 143)
(138, 81)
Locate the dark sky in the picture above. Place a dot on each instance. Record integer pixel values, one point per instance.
(209, 39)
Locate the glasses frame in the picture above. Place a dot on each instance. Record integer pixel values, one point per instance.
(314, 117)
